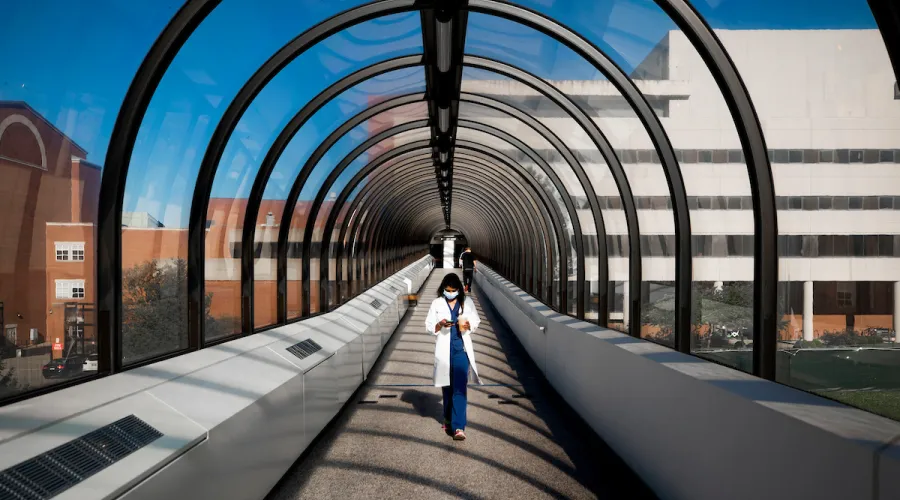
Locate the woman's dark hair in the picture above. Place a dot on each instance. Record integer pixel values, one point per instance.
(453, 281)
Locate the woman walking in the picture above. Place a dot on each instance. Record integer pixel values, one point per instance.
(453, 318)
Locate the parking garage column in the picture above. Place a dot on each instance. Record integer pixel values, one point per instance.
(808, 310)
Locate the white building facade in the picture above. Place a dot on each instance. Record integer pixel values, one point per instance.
(829, 107)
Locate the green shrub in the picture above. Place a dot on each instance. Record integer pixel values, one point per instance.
(850, 338)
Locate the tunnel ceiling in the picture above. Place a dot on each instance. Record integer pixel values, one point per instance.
(411, 119)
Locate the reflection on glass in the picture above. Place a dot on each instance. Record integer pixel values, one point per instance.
(836, 178)
(523, 47)
(544, 149)
(318, 68)
(59, 100)
(823, 89)
(379, 89)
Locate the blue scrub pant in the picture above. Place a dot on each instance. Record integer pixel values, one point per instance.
(455, 393)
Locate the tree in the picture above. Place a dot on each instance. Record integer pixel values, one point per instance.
(154, 307)
(8, 382)
(729, 308)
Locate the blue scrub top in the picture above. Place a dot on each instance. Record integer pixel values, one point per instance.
(456, 342)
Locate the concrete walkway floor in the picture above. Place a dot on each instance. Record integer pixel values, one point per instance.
(523, 440)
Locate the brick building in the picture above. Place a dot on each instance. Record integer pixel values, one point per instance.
(48, 201)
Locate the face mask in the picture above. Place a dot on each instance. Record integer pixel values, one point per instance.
(450, 295)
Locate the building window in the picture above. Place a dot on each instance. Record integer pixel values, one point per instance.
(70, 251)
(69, 289)
(845, 294)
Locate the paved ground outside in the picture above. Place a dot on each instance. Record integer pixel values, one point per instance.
(523, 440)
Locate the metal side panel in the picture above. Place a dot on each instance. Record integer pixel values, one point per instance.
(331, 335)
(84, 397)
(342, 332)
(245, 455)
(216, 393)
(364, 319)
(179, 434)
(348, 371)
(320, 396)
(387, 324)
(354, 365)
(365, 346)
(372, 345)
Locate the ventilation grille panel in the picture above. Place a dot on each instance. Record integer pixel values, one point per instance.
(376, 304)
(304, 349)
(53, 472)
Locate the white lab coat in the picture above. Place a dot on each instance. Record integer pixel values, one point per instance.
(438, 311)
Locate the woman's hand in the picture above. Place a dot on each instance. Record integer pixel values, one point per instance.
(463, 325)
(442, 324)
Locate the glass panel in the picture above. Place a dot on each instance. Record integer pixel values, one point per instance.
(343, 293)
(270, 112)
(553, 117)
(591, 91)
(60, 95)
(412, 82)
(682, 93)
(822, 81)
(177, 128)
(544, 149)
(474, 167)
(542, 180)
(331, 116)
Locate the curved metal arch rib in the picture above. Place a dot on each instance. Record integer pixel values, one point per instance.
(507, 221)
(503, 224)
(533, 278)
(307, 169)
(393, 131)
(164, 50)
(359, 204)
(423, 146)
(471, 210)
(229, 121)
(578, 232)
(361, 198)
(507, 262)
(277, 148)
(248, 262)
(469, 204)
(580, 278)
(369, 224)
(749, 129)
(381, 177)
(540, 192)
(762, 183)
(373, 227)
(551, 243)
(603, 145)
(583, 179)
(539, 128)
(284, 137)
(113, 180)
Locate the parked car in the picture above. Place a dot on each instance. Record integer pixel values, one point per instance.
(63, 367)
(90, 363)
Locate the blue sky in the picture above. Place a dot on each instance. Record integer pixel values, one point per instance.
(73, 61)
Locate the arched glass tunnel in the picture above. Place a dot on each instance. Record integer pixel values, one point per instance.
(717, 177)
